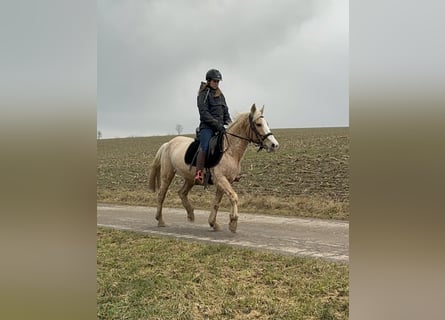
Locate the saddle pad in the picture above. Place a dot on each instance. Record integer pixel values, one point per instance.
(191, 152)
(214, 154)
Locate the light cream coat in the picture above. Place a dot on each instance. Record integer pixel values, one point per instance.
(169, 160)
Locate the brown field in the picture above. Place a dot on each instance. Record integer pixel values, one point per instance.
(308, 176)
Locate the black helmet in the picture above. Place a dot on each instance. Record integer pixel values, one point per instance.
(213, 74)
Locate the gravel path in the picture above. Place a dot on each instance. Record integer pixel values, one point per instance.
(325, 239)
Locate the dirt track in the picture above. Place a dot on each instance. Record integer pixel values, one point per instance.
(316, 238)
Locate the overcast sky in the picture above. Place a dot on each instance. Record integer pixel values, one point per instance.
(291, 56)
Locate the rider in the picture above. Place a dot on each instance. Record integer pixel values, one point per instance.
(213, 113)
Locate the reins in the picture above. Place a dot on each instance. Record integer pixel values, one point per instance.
(243, 138)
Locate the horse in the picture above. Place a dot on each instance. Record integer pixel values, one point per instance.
(248, 127)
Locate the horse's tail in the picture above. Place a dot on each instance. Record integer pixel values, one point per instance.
(154, 177)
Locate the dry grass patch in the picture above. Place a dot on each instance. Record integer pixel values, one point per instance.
(249, 203)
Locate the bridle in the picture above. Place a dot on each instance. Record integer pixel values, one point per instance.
(259, 137)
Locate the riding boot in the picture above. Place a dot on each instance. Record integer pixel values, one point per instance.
(200, 163)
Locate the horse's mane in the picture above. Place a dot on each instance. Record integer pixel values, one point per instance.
(240, 117)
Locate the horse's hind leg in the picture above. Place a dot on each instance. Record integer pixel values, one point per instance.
(165, 183)
(214, 211)
(183, 192)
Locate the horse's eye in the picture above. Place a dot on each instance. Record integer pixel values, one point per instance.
(258, 124)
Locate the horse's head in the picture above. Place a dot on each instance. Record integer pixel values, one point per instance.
(260, 132)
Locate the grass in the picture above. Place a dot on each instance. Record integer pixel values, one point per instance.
(146, 277)
(308, 176)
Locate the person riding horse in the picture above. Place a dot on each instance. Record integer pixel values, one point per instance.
(170, 161)
(213, 113)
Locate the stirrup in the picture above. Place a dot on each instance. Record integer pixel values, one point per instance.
(199, 178)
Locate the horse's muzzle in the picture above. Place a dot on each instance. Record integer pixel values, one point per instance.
(271, 144)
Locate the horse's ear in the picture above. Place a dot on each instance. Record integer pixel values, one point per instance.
(262, 110)
(253, 109)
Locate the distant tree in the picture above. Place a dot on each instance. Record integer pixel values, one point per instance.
(99, 134)
(179, 128)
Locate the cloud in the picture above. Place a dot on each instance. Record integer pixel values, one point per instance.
(291, 56)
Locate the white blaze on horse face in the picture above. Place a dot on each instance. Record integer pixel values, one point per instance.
(270, 143)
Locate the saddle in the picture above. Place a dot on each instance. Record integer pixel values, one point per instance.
(213, 156)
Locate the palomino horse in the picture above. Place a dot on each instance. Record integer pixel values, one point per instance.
(169, 160)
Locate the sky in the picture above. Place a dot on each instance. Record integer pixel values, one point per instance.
(290, 56)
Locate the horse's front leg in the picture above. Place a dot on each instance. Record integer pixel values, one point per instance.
(224, 184)
(215, 207)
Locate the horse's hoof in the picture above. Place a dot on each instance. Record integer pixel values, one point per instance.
(232, 225)
(216, 227)
(191, 217)
(161, 223)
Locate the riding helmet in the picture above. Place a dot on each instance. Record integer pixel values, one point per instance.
(213, 74)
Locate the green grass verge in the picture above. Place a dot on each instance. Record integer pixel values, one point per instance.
(146, 277)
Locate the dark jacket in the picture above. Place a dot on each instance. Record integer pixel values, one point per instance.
(213, 110)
